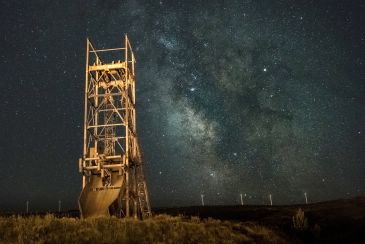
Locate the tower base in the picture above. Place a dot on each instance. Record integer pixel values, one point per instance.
(95, 199)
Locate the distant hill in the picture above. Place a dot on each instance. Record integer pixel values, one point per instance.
(337, 221)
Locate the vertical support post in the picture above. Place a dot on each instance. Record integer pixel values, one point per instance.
(241, 199)
(96, 101)
(126, 121)
(133, 61)
(202, 197)
(270, 198)
(306, 199)
(147, 198)
(85, 109)
(135, 191)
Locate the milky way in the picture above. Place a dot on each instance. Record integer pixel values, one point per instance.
(248, 97)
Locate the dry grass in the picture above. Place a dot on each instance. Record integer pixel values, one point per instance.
(159, 229)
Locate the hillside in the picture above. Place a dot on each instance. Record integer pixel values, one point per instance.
(338, 221)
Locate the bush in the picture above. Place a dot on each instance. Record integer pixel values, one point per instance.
(300, 222)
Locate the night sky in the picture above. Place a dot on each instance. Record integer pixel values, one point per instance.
(251, 97)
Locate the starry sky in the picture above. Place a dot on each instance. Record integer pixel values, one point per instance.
(233, 97)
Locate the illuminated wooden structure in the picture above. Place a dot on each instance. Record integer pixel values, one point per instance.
(113, 182)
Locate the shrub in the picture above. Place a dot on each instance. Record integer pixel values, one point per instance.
(316, 230)
(300, 222)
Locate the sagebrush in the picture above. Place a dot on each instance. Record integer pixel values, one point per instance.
(300, 222)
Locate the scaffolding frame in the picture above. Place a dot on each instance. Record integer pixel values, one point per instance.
(113, 181)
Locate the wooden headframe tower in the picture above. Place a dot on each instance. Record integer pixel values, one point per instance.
(113, 181)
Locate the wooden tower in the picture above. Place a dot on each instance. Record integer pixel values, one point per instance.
(113, 182)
